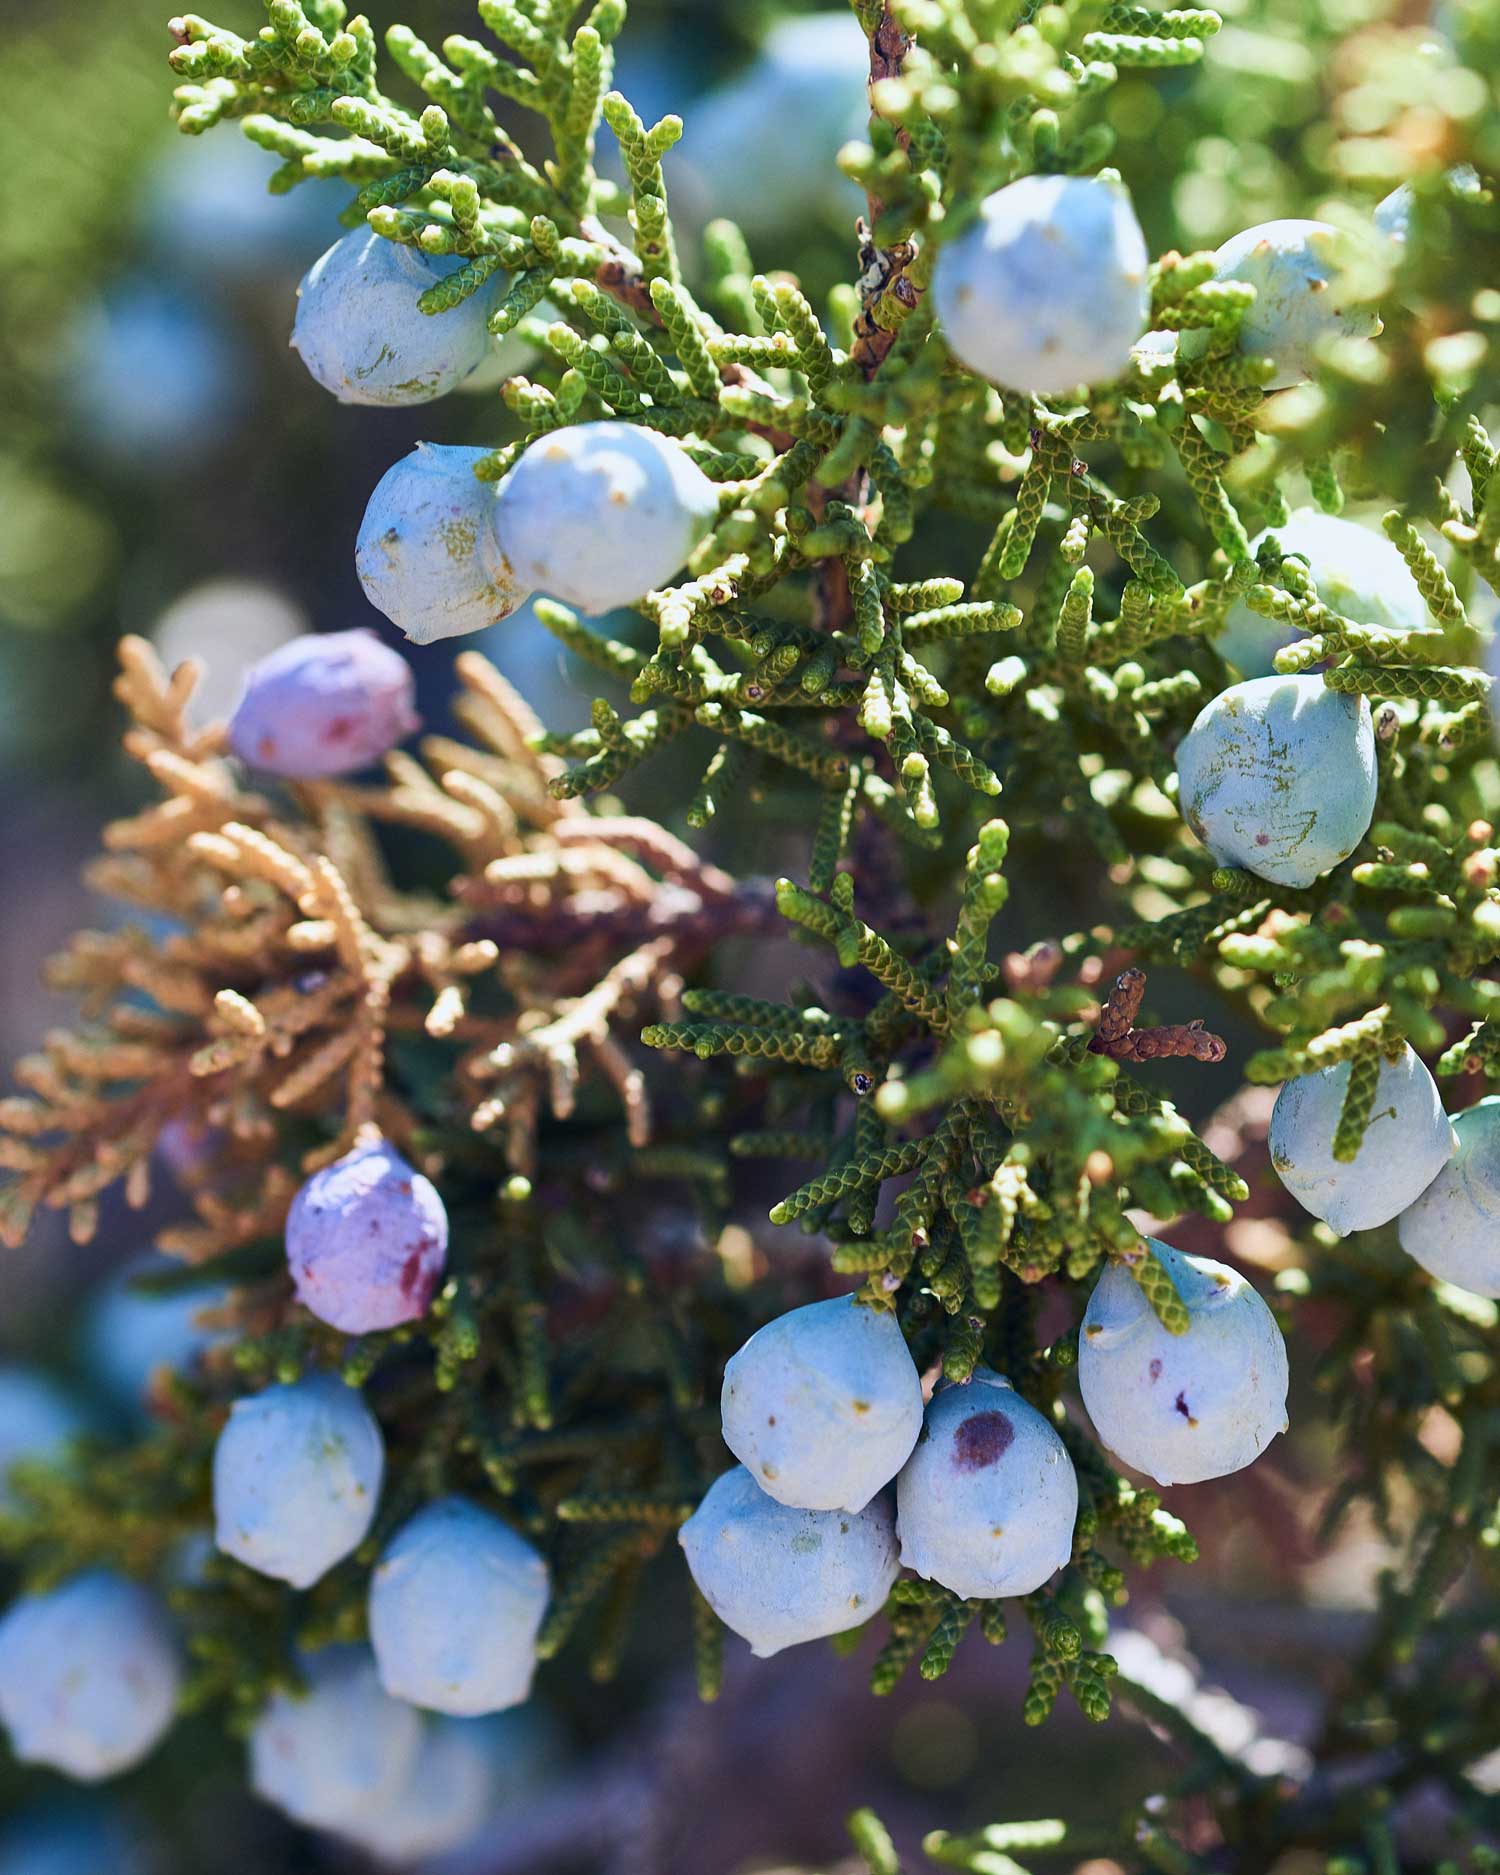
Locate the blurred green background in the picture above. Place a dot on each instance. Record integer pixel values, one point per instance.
(168, 468)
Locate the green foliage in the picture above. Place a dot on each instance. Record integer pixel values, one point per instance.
(985, 1126)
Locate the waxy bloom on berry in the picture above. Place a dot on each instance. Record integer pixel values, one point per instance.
(427, 556)
(1302, 300)
(89, 1675)
(600, 514)
(1406, 1144)
(1357, 571)
(330, 1756)
(362, 335)
(1183, 1407)
(1048, 289)
(455, 1604)
(297, 1473)
(327, 703)
(779, 1576)
(823, 1405)
(1277, 776)
(1453, 1228)
(366, 1240)
(987, 1502)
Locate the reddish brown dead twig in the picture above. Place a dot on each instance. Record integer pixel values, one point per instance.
(882, 269)
(1117, 1036)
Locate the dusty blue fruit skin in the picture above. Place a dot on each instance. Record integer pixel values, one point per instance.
(297, 1473)
(1453, 1228)
(427, 555)
(37, 1422)
(1048, 289)
(1182, 1408)
(1294, 268)
(366, 1241)
(360, 333)
(809, 78)
(1277, 776)
(1357, 572)
(89, 1675)
(130, 1333)
(455, 1604)
(823, 1405)
(779, 1576)
(441, 1804)
(600, 514)
(987, 1502)
(328, 1758)
(1406, 1145)
(327, 703)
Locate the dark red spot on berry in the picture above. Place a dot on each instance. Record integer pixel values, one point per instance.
(982, 1440)
(1155, 1370)
(770, 1419)
(338, 729)
(266, 748)
(415, 1280)
(1262, 839)
(1182, 1406)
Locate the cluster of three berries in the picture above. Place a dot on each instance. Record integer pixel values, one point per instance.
(596, 514)
(824, 1408)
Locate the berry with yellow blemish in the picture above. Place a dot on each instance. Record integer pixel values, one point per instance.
(427, 556)
(362, 334)
(823, 1405)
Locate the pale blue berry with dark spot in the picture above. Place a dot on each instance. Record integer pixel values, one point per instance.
(600, 514)
(1407, 1142)
(823, 1405)
(1185, 1407)
(1357, 571)
(1277, 776)
(89, 1675)
(778, 1576)
(362, 335)
(329, 1755)
(1048, 289)
(427, 555)
(296, 1478)
(987, 1502)
(456, 1602)
(366, 1240)
(1303, 295)
(1453, 1228)
(327, 703)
